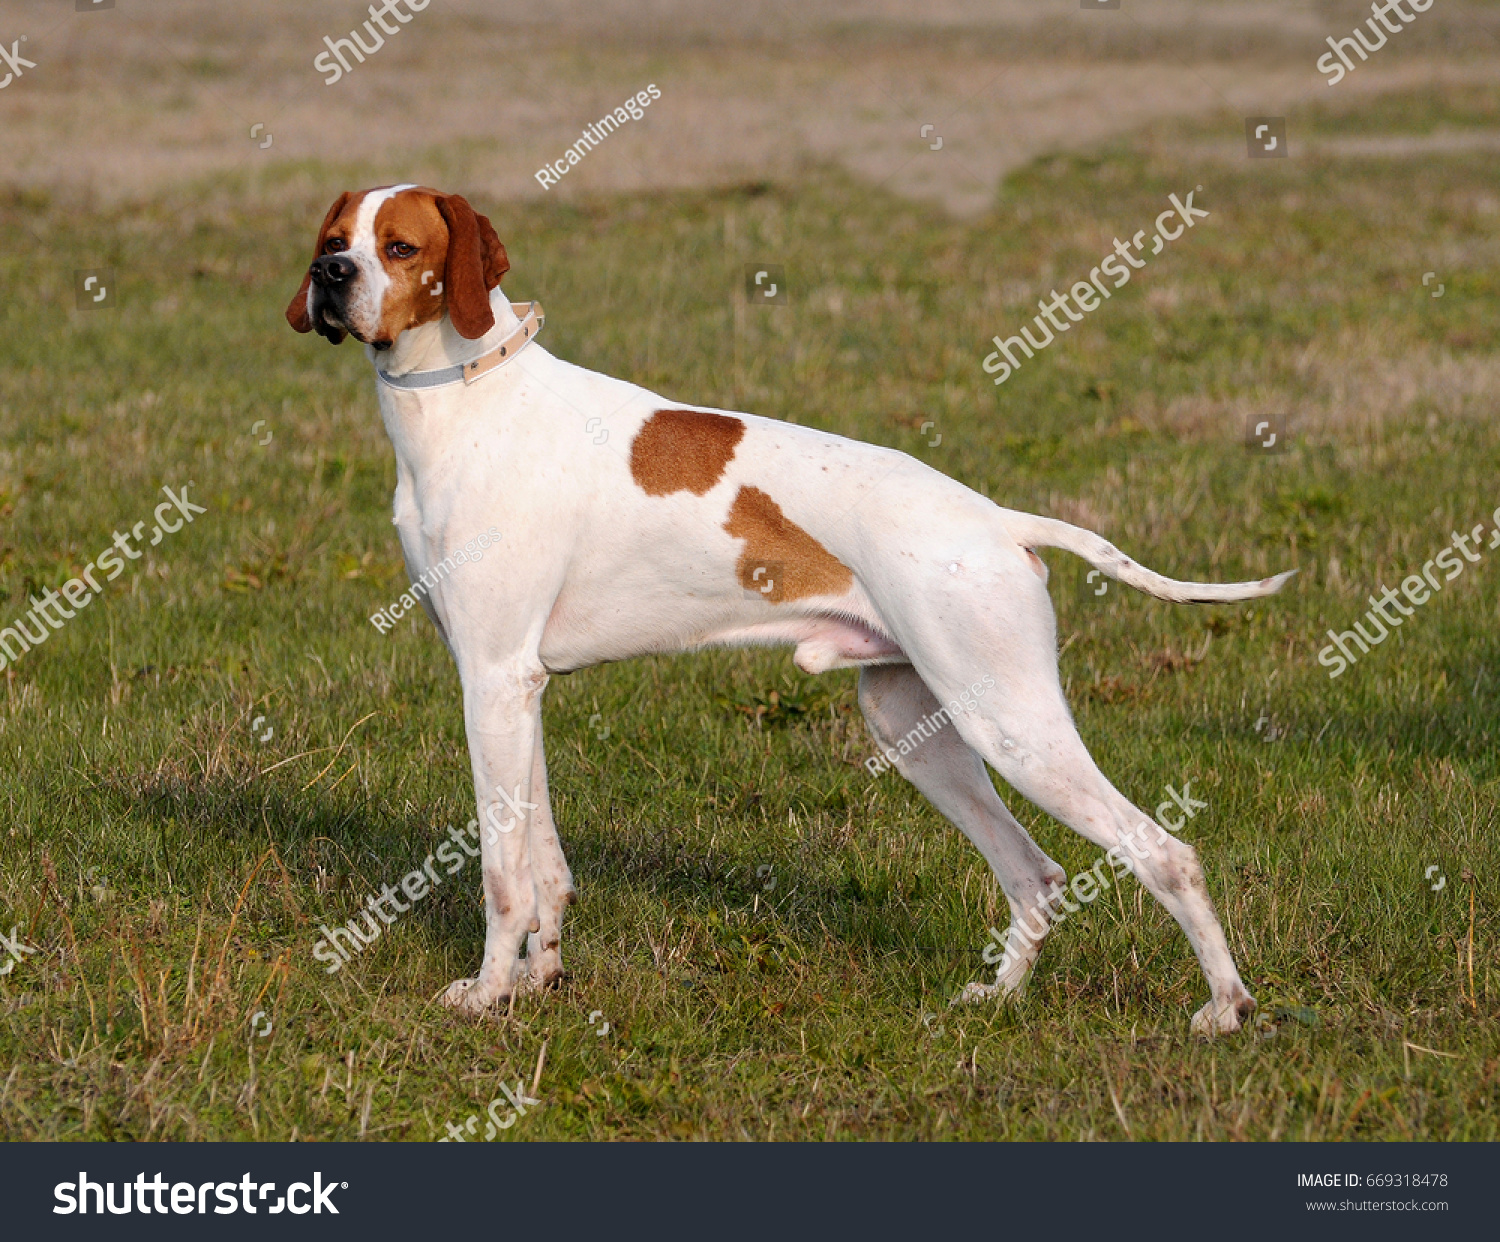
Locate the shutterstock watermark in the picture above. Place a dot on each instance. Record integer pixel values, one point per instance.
(1020, 939)
(471, 551)
(339, 945)
(516, 803)
(13, 62)
(80, 592)
(14, 948)
(355, 46)
(517, 1099)
(633, 109)
(1087, 293)
(189, 1199)
(1338, 655)
(1329, 62)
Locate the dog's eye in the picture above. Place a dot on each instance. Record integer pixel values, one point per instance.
(335, 245)
(400, 250)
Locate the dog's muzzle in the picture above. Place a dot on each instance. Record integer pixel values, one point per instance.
(330, 271)
(332, 277)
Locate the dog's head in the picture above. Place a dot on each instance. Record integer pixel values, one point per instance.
(392, 258)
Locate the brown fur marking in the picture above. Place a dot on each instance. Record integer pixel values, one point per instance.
(296, 311)
(683, 450)
(792, 561)
(412, 217)
(465, 268)
(456, 248)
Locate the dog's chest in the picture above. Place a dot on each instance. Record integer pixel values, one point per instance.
(407, 518)
(439, 502)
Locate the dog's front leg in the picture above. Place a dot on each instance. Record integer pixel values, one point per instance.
(553, 880)
(503, 721)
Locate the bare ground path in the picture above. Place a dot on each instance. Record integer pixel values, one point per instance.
(130, 100)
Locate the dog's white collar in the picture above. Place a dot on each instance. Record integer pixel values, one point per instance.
(532, 318)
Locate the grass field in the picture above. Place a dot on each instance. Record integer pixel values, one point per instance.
(771, 935)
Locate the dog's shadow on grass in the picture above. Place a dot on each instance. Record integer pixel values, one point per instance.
(336, 857)
(339, 855)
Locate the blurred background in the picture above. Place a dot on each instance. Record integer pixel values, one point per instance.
(148, 94)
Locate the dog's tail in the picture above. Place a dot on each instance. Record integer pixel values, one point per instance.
(1040, 532)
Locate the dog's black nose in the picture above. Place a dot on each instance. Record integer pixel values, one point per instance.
(331, 270)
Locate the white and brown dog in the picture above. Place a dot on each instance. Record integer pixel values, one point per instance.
(685, 527)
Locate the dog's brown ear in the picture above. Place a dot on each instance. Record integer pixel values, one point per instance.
(296, 311)
(476, 262)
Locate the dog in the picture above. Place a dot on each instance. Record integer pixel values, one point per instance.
(631, 524)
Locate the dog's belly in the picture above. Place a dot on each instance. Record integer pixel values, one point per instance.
(587, 628)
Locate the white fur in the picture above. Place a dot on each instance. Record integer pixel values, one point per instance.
(362, 310)
(592, 569)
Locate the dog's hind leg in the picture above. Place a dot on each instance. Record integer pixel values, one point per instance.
(896, 704)
(1027, 734)
(551, 878)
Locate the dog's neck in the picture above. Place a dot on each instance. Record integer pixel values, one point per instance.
(435, 345)
(421, 422)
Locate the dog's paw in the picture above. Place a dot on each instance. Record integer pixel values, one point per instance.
(546, 980)
(976, 994)
(472, 996)
(544, 966)
(541, 980)
(1213, 1019)
(987, 993)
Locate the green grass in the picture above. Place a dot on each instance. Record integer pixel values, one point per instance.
(772, 936)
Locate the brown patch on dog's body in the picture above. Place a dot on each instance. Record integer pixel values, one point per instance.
(794, 563)
(683, 451)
